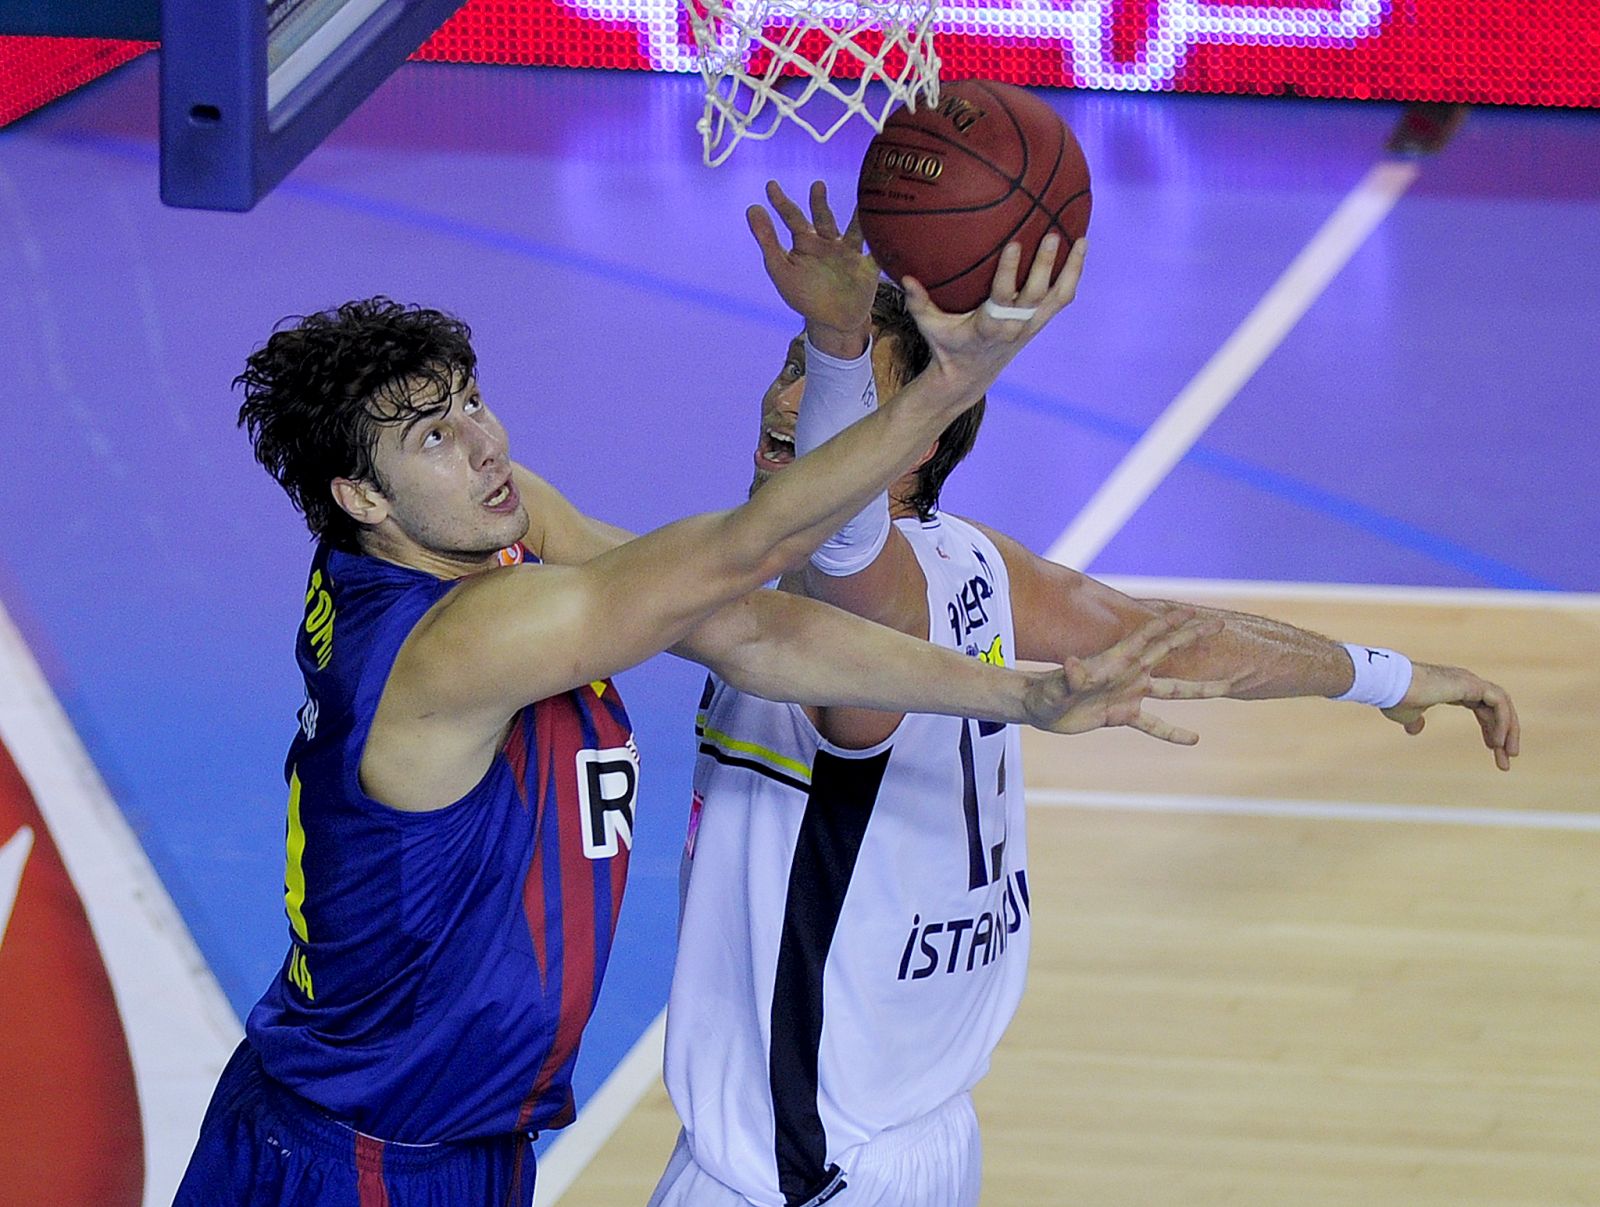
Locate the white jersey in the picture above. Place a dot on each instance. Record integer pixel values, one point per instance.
(854, 934)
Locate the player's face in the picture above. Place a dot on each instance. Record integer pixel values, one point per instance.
(445, 478)
(780, 405)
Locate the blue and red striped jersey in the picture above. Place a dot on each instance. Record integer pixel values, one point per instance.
(442, 965)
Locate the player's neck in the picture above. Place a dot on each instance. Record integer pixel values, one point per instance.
(439, 563)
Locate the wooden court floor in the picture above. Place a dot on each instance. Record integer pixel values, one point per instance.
(1244, 992)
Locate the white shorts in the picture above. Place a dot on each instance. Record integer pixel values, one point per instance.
(934, 1161)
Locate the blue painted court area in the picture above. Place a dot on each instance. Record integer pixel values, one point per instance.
(1429, 421)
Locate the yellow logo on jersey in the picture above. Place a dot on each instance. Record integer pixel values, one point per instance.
(300, 974)
(994, 655)
(294, 890)
(319, 619)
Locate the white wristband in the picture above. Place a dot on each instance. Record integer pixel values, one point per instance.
(1382, 676)
(837, 393)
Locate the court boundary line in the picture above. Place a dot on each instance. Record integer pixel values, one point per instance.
(1159, 587)
(1146, 464)
(179, 1026)
(1220, 379)
(1311, 810)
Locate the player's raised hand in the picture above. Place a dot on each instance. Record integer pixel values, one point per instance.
(824, 275)
(982, 341)
(1111, 687)
(1497, 715)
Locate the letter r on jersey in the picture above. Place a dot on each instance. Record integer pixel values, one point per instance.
(608, 780)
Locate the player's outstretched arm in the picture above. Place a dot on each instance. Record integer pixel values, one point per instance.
(826, 277)
(504, 638)
(969, 350)
(501, 640)
(787, 647)
(1060, 612)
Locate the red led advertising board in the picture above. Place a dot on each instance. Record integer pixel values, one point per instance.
(1526, 52)
(1520, 52)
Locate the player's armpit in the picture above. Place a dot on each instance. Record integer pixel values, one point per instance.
(1060, 613)
(892, 591)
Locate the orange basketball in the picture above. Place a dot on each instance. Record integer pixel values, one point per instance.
(945, 188)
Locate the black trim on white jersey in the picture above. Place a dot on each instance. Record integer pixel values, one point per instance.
(733, 760)
(843, 791)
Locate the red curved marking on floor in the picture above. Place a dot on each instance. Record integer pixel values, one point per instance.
(68, 1105)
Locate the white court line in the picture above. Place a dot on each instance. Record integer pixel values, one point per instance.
(1224, 375)
(602, 1115)
(1316, 810)
(1433, 597)
(1162, 447)
(180, 1027)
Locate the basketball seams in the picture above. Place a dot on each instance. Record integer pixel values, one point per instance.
(1018, 185)
(1041, 211)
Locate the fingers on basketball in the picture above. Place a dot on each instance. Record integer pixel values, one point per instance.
(921, 306)
(1037, 286)
(1066, 286)
(1004, 290)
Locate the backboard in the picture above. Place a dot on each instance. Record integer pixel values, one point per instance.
(249, 87)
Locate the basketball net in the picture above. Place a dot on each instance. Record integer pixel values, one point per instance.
(747, 46)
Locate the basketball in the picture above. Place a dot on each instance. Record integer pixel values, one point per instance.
(945, 188)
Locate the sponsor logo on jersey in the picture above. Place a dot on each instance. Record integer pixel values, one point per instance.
(961, 945)
(968, 612)
(608, 781)
(319, 618)
(308, 716)
(512, 555)
(697, 804)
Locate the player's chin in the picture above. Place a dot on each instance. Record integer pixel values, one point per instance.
(509, 529)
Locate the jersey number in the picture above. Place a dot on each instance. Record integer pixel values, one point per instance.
(983, 861)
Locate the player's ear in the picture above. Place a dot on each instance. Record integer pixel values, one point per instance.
(360, 499)
(925, 458)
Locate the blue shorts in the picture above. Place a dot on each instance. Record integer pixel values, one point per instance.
(263, 1146)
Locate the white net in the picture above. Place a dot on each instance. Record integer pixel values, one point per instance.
(764, 61)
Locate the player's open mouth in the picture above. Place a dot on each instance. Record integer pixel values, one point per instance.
(776, 451)
(504, 499)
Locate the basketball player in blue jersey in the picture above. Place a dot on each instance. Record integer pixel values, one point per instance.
(462, 783)
(855, 925)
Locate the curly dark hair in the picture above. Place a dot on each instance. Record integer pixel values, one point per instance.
(316, 394)
(892, 321)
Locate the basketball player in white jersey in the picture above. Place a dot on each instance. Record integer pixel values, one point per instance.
(855, 916)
